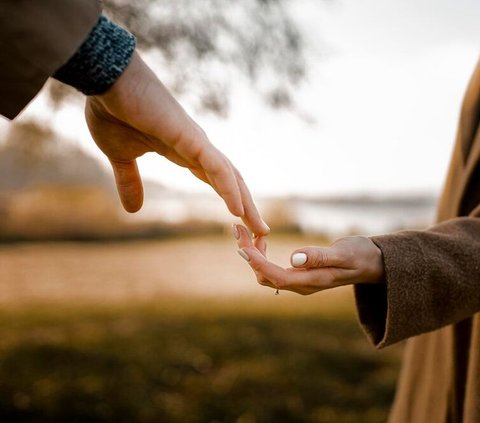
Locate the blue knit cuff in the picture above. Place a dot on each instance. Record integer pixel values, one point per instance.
(100, 60)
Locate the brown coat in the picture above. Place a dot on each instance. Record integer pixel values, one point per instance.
(432, 293)
(36, 38)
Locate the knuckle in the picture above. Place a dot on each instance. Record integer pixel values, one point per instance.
(319, 258)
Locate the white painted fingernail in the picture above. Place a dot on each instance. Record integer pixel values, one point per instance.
(244, 255)
(298, 259)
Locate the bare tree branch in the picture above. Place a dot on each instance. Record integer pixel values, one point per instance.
(207, 44)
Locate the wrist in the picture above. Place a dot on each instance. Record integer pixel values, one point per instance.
(100, 60)
(375, 269)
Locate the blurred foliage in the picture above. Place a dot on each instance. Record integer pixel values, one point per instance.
(206, 44)
(280, 215)
(174, 363)
(33, 154)
(60, 212)
(50, 189)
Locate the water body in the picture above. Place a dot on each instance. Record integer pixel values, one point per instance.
(329, 216)
(365, 216)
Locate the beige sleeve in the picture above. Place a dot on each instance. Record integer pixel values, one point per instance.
(432, 280)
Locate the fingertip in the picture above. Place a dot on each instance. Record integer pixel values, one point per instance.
(235, 231)
(265, 229)
(131, 197)
(129, 185)
(262, 229)
(258, 229)
(298, 259)
(132, 207)
(242, 231)
(244, 240)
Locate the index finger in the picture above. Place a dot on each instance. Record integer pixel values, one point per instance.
(251, 217)
(192, 146)
(222, 177)
(219, 175)
(290, 279)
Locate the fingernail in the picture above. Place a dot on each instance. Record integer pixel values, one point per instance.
(244, 255)
(236, 234)
(298, 259)
(267, 228)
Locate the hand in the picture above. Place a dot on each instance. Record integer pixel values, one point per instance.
(348, 260)
(138, 115)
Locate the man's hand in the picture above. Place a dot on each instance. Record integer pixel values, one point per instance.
(348, 260)
(138, 115)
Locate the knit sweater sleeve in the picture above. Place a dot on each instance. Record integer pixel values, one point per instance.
(432, 279)
(100, 60)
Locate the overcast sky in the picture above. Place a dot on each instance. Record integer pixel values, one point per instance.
(386, 78)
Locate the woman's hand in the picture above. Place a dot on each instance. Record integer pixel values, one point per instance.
(348, 260)
(138, 115)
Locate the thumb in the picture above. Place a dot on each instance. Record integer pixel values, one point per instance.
(313, 257)
(129, 184)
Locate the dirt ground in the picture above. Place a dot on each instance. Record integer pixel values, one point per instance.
(193, 268)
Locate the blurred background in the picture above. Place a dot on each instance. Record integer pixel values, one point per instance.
(341, 116)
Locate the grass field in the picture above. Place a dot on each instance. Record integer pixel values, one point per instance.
(177, 331)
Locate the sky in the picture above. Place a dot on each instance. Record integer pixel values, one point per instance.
(383, 93)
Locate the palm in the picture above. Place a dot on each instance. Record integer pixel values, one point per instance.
(349, 260)
(138, 115)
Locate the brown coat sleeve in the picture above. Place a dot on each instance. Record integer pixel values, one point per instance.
(36, 38)
(432, 280)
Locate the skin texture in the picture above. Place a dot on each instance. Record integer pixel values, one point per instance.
(138, 115)
(348, 260)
